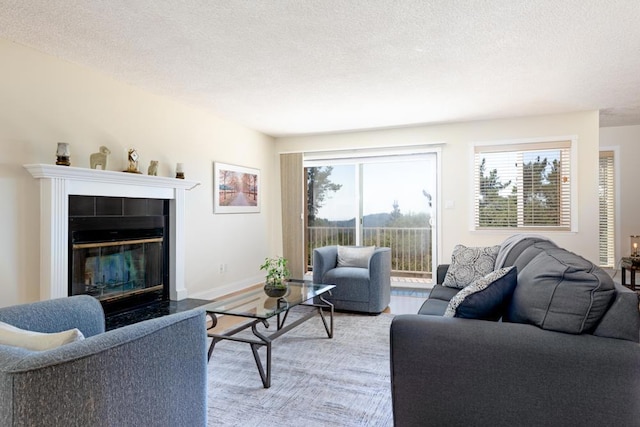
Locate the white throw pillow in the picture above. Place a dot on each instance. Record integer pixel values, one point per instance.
(38, 341)
(355, 256)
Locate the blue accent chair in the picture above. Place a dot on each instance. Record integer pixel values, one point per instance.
(366, 290)
(152, 373)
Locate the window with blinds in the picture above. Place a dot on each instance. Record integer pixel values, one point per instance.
(606, 192)
(523, 186)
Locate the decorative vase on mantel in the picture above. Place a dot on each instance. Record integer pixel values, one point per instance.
(275, 284)
(62, 154)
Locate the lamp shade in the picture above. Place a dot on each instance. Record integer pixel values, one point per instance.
(635, 243)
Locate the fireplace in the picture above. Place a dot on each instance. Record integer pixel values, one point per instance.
(102, 196)
(118, 251)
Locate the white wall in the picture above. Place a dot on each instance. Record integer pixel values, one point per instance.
(456, 159)
(625, 140)
(46, 100)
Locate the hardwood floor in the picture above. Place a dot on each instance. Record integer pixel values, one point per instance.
(406, 301)
(403, 301)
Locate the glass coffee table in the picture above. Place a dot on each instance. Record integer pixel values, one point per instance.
(256, 306)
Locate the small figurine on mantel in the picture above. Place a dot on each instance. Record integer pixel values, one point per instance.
(99, 158)
(153, 168)
(133, 161)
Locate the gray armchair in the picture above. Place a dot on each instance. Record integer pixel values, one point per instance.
(359, 289)
(152, 373)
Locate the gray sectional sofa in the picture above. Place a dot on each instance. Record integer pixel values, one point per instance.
(564, 351)
(151, 373)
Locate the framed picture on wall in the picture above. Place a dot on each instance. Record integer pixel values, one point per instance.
(236, 189)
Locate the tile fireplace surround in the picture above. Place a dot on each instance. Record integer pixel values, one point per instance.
(57, 183)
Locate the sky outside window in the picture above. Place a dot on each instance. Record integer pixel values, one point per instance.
(384, 183)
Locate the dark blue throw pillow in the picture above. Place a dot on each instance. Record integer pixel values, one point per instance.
(486, 298)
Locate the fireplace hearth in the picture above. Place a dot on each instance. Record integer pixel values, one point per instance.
(118, 250)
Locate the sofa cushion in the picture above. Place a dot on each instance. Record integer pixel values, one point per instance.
(352, 283)
(513, 247)
(434, 307)
(443, 292)
(622, 319)
(438, 300)
(560, 291)
(38, 341)
(352, 256)
(528, 254)
(486, 298)
(470, 264)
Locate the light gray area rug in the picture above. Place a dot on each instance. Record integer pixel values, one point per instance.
(315, 381)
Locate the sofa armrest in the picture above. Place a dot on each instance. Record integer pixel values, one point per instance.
(380, 268)
(505, 374)
(324, 259)
(82, 311)
(441, 272)
(148, 373)
(379, 279)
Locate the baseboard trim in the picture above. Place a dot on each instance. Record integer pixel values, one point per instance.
(227, 289)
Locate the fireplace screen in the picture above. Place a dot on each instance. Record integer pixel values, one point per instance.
(112, 270)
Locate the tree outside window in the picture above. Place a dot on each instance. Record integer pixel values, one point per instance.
(523, 186)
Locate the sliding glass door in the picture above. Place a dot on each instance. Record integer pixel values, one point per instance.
(332, 205)
(382, 201)
(397, 211)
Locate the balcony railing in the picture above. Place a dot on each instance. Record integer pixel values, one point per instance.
(410, 247)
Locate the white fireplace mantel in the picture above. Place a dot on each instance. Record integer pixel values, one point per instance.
(57, 183)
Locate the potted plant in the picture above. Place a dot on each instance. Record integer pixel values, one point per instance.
(277, 274)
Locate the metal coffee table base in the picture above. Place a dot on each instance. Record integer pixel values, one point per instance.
(266, 340)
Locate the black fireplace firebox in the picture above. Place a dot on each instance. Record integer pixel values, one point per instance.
(119, 250)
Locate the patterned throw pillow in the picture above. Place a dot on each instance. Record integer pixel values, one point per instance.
(469, 265)
(486, 298)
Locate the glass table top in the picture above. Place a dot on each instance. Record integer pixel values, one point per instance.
(255, 303)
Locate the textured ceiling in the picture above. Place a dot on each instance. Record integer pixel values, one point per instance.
(288, 67)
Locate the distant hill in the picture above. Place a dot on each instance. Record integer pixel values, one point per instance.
(373, 220)
(377, 220)
(380, 220)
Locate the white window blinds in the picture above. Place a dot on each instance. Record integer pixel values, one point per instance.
(606, 190)
(523, 186)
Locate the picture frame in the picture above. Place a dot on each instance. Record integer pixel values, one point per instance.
(236, 189)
